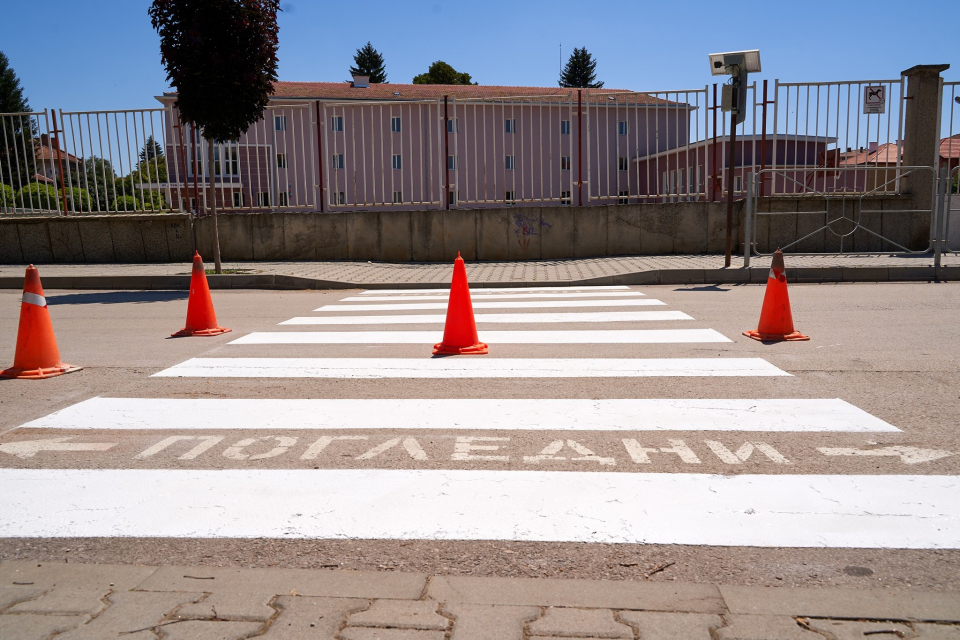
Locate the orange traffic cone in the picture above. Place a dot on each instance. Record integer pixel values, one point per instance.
(37, 355)
(776, 320)
(201, 318)
(460, 331)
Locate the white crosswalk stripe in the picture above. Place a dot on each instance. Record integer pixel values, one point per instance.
(374, 368)
(481, 304)
(480, 291)
(498, 318)
(609, 295)
(553, 414)
(606, 336)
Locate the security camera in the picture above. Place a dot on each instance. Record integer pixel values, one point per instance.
(722, 63)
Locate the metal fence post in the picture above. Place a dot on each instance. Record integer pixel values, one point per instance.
(747, 221)
(939, 231)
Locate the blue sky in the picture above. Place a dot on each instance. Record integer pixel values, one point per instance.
(96, 55)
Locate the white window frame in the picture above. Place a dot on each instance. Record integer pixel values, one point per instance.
(398, 197)
(336, 123)
(338, 161)
(396, 161)
(622, 128)
(395, 124)
(283, 199)
(564, 163)
(623, 196)
(263, 198)
(280, 123)
(564, 127)
(281, 161)
(510, 125)
(341, 197)
(237, 199)
(509, 162)
(738, 184)
(510, 197)
(453, 162)
(623, 163)
(453, 125)
(565, 197)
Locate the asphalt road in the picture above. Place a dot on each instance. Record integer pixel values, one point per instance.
(887, 352)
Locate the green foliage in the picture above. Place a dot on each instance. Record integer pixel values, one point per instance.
(7, 197)
(38, 196)
(126, 203)
(77, 199)
(221, 56)
(98, 179)
(369, 62)
(17, 133)
(442, 73)
(580, 71)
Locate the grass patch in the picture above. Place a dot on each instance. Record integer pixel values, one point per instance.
(227, 271)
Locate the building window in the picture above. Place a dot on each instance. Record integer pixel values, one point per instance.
(738, 184)
(338, 161)
(622, 127)
(395, 124)
(336, 123)
(564, 163)
(511, 125)
(237, 199)
(564, 197)
(683, 180)
(281, 161)
(623, 197)
(510, 197)
(263, 199)
(452, 197)
(453, 125)
(673, 181)
(453, 162)
(225, 158)
(564, 127)
(398, 197)
(699, 182)
(395, 161)
(622, 163)
(284, 199)
(280, 123)
(341, 197)
(510, 162)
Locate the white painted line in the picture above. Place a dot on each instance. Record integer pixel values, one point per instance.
(551, 414)
(500, 318)
(500, 296)
(468, 367)
(521, 304)
(607, 336)
(486, 290)
(846, 511)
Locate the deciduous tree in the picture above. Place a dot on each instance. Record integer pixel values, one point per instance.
(221, 57)
(442, 73)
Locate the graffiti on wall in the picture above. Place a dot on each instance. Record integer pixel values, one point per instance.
(526, 225)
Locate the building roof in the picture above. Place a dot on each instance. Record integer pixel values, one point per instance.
(410, 92)
(886, 153)
(747, 139)
(950, 147)
(44, 150)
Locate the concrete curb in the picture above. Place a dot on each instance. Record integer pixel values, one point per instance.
(650, 277)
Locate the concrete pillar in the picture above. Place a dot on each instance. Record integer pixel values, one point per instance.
(921, 131)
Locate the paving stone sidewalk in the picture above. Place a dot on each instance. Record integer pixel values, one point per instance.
(99, 602)
(672, 269)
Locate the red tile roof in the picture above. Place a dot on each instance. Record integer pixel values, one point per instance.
(345, 91)
(950, 147)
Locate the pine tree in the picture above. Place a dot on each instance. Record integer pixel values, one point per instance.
(369, 62)
(580, 71)
(17, 132)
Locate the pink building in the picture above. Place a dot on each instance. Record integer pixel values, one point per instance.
(354, 146)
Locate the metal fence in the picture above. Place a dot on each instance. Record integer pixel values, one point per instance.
(577, 147)
(950, 161)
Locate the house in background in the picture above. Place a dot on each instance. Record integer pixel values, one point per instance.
(50, 158)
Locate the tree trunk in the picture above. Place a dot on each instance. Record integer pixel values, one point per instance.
(212, 206)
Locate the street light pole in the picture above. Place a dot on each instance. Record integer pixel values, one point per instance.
(731, 163)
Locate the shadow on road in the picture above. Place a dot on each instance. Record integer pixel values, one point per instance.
(117, 297)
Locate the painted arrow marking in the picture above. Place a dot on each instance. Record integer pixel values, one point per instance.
(907, 455)
(30, 448)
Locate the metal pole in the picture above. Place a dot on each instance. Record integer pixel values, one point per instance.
(939, 218)
(446, 147)
(63, 176)
(714, 181)
(747, 220)
(579, 147)
(182, 169)
(763, 139)
(730, 165)
(320, 125)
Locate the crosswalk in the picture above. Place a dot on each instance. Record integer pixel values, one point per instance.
(560, 490)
